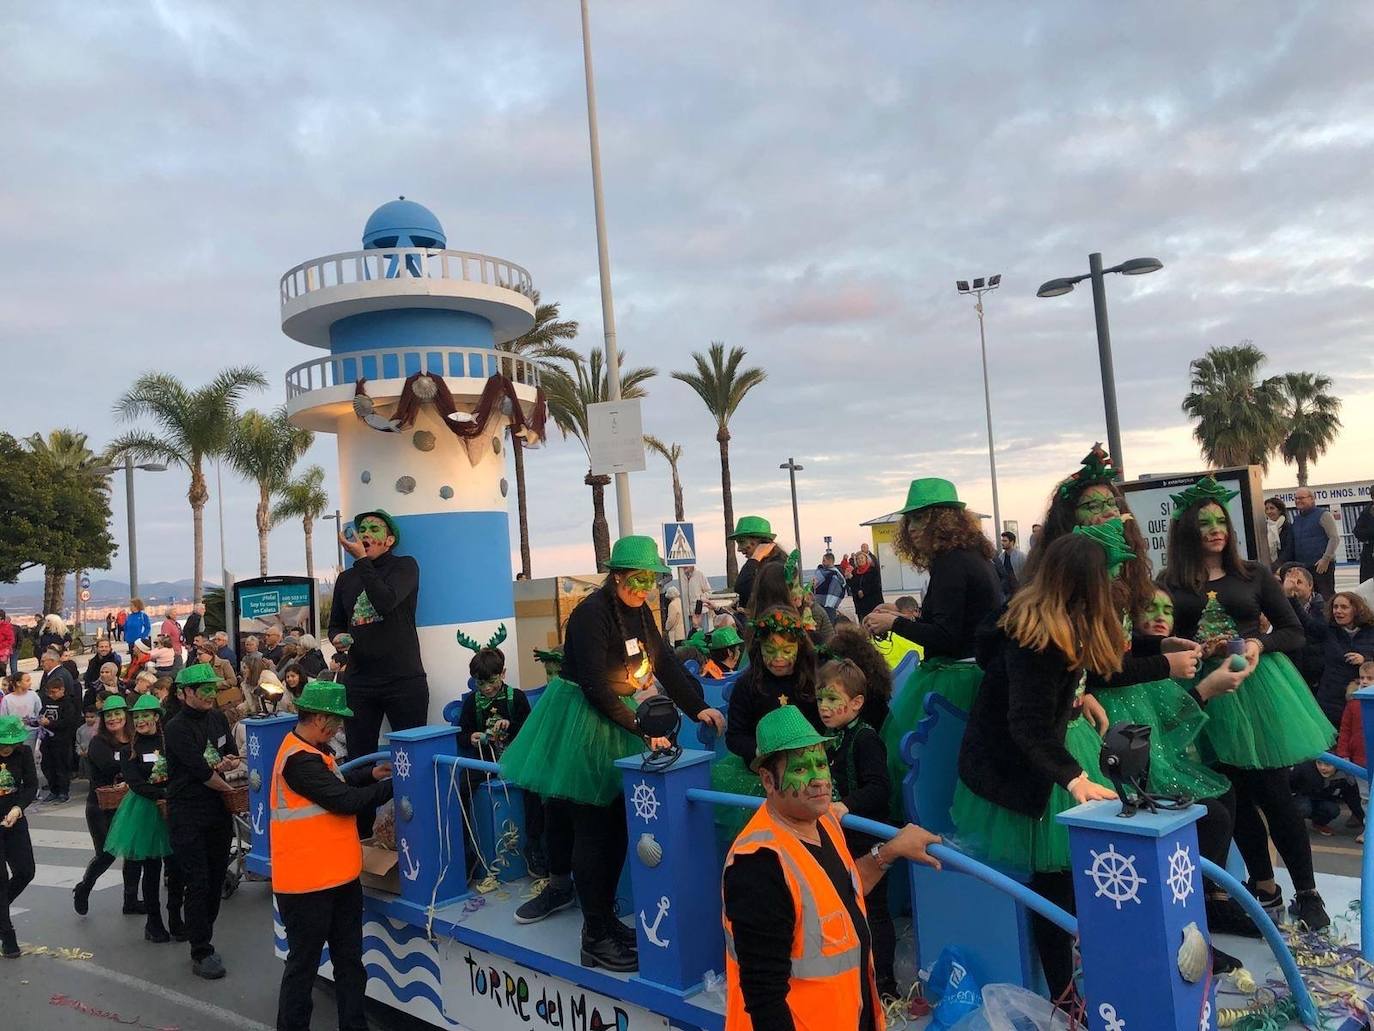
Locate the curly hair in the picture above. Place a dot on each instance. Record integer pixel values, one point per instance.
(1364, 616)
(932, 531)
(850, 641)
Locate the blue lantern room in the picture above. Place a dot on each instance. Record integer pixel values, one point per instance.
(403, 223)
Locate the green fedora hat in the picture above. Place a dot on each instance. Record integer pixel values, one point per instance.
(753, 526)
(725, 637)
(381, 514)
(196, 674)
(637, 552)
(145, 703)
(782, 730)
(116, 703)
(929, 492)
(326, 697)
(12, 731)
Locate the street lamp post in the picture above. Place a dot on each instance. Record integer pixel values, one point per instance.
(129, 467)
(1059, 287)
(792, 469)
(337, 519)
(978, 289)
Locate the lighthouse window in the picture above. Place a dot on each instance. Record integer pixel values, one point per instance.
(384, 241)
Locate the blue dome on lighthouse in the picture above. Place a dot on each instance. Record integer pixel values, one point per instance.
(403, 223)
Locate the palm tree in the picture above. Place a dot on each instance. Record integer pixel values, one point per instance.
(541, 346)
(672, 454)
(193, 424)
(63, 451)
(264, 449)
(1311, 415)
(568, 396)
(722, 384)
(303, 498)
(1240, 418)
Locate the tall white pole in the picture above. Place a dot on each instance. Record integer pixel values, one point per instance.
(987, 403)
(223, 565)
(624, 517)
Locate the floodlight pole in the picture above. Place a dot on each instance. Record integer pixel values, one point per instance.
(1104, 360)
(978, 291)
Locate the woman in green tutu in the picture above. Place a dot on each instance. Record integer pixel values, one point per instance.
(138, 832)
(1026, 755)
(1271, 721)
(103, 757)
(584, 722)
(940, 535)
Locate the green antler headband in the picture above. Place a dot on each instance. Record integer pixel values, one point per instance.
(1206, 489)
(1097, 467)
(1111, 538)
(472, 646)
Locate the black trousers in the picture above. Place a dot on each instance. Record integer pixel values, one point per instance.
(404, 704)
(16, 867)
(98, 824)
(558, 835)
(57, 763)
(1053, 944)
(200, 846)
(312, 920)
(1323, 810)
(600, 836)
(1215, 829)
(1268, 791)
(884, 935)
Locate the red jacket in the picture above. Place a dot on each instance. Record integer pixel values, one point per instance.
(1350, 743)
(6, 638)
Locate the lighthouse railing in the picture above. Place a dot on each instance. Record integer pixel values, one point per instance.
(400, 362)
(347, 267)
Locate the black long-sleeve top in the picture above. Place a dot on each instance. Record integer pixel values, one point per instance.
(749, 572)
(104, 761)
(20, 764)
(1243, 601)
(64, 713)
(385, 646)
(1143, 664)
(516, 710)
(963, 591)
(306, 774)
(595, 658)
(866, 589)
(755, 695)
(763, 920)
(186, 736)
(1013, 749)
(137, 766)
(860, 779)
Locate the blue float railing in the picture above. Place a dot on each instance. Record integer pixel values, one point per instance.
(1366, 860)
(371, 757)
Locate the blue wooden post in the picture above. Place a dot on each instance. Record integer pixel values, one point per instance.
(263, 738)
(674, 872)
(1138, 887)
(497, 807)
(1365, 696)
(429, 826)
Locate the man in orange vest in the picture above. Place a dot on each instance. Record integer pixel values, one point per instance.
(316, 858)
(798, 953)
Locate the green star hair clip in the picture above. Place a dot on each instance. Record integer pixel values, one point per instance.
(1206, 489)
(1111, 538)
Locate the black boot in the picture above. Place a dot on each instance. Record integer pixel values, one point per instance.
(602, 947)
(9, 944)
(174, 923)
(133, 907)
(81, 898)
(153, 930)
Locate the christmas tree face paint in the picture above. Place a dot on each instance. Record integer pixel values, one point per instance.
(1096, 505)
(805, 766)
(834, 707)
(1159, 615)
(1213, 527)
(372, 530)
(779, 654)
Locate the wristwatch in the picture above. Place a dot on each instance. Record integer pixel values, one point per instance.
(877, 858)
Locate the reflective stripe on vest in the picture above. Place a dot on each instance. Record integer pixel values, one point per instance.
(312, 849)
(281, 811)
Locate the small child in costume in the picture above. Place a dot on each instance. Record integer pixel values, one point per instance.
(1350, 740)
(861, 785)
(61, 718)
(1319, 789)
(725, 645)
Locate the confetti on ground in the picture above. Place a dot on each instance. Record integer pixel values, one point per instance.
(55, 953)
(91, 1011)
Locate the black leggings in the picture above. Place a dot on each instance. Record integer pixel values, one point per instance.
(884, 935)
(16, 867)
(1215, 828)
(98, 823)
(600, 837)
(558, 835)
(1268, 791)
(1053, 944)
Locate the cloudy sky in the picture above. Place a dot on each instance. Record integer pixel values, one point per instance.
(803, 180)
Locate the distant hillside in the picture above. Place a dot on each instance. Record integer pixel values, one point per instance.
(26, 597)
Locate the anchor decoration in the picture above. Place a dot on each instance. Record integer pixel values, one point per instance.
(411, 870)
(651, 930)
(1110, 1021)
(258, 827)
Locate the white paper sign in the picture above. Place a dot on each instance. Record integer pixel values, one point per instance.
(615, 437)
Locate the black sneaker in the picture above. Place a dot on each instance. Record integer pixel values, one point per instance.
(1224, 962)
(545, 904)
(610, 954)
(81, 898)
(1225, 916)
(9, 945)
(133, 907)
(211, 967)
(157, 934)
(1271, 901)
(1307, 908)
(536, 862)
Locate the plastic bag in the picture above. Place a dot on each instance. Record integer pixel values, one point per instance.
(1009, 1008)
(959, 992)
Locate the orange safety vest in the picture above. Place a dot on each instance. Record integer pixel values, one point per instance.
(711, 671)
(824, 991)
(312, 848)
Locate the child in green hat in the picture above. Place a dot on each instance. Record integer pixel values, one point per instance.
(18, 789)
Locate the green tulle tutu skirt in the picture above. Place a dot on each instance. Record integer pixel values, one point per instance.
(1175, 721)
(138, 830)
(730, 774)
(957, 682)
(1014, 840)
(1269, 722)
(567, 749)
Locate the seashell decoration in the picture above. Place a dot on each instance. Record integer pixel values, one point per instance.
(505, 487)
(424, 388)
(496, 445)
(255, 780)
(366, 477)
(407, 809)
(1194, 955)
(423, 439)
(362, 405)
(648, 849)
(459, 417)
(446, 492)
(405, 484)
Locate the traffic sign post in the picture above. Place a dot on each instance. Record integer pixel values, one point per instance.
(680, 549)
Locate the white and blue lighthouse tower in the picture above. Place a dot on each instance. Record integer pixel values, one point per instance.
(400, 320)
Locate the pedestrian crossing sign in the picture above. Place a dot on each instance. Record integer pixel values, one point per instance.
(680, 544)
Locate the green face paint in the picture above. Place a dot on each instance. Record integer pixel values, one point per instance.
(1211, 517)
(805, 766)
(643, 581)
(373, 530)
(1096, 505)
(1160, 610)
(776, 648)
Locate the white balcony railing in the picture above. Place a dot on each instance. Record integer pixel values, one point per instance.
(351, 267)
(478, 363)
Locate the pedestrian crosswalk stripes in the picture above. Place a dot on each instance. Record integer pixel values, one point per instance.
(50, 875)
(79, 840)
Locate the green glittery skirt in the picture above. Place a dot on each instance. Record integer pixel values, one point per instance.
(138, 830)
(956, 681)
(1269, 722)
(1013, 840)
(1175, 721)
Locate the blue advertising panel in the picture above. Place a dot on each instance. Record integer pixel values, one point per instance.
(285, 602)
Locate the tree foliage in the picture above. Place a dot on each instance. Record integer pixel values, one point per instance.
(1239, 416)
(263, 448)
(1312, 417)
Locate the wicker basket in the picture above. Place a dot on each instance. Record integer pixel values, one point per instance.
(110, 797)
(236, 801)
